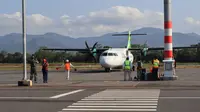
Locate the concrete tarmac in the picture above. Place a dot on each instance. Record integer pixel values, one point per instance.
(98, 91)
(107, 100)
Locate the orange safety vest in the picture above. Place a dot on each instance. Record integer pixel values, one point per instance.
(67, 66)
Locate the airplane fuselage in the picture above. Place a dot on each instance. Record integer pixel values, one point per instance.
(115, 57)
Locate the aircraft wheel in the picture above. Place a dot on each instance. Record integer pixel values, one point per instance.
(107, 69)
(133, 68)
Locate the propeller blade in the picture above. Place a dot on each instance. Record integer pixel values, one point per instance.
(90, 54)
(87, 45)
(145, 44)
(94, 46)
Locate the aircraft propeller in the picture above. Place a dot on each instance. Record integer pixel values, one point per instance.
(92, 52)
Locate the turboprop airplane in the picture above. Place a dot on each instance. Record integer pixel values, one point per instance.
(114, 57)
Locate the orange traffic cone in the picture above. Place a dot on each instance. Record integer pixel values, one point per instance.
(151, 69)
(57, 68)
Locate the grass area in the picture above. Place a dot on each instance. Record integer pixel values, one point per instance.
(13, 66)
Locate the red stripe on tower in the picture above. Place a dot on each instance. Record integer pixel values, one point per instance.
(168, 39)
(168, 24)
(168, 54)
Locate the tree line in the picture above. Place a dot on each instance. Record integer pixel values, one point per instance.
(181, 55)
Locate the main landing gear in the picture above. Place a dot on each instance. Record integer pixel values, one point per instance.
(107, 69)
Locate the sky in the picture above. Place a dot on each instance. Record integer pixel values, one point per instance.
(81, 18)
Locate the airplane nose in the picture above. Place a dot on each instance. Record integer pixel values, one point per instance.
(105, 62)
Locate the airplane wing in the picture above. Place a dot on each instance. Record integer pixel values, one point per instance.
(162, 48)
(79, 50)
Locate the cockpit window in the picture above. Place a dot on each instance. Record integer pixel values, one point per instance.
(104, 54)
(110, 54)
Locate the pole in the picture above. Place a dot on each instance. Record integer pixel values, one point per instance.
(24, 39)
(168, 52)
(169, 73)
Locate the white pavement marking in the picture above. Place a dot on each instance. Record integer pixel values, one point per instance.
(130, 110)
(136, 84)
(179, 97)
(122, 97)
(113, 106)
(116, 104)
(118, 100)
(65, 94)
(24, 98)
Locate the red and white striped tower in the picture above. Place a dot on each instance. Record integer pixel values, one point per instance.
(168, 50)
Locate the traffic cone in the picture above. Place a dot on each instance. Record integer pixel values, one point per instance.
(57, 68)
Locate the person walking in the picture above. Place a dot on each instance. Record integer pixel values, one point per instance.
(127, 67)
(45, 70)
(68, 66)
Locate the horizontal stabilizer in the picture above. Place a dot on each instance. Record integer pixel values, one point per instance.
(127, 34)
(162, 48)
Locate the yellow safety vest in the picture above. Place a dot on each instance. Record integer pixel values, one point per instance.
(156, 63)
(127, 65)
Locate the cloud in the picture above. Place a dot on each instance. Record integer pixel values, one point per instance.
(192, 21)
(36, 23)
(114, 19)
(191, 25)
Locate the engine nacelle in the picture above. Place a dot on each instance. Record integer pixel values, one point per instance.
(144, 51)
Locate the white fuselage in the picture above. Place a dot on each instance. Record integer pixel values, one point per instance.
(115, 57)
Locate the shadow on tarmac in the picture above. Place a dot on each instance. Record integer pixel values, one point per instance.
(95, 71)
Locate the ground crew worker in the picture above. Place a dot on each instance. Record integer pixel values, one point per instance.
(33, 71)
(68, 66)
(155, 63)
(45, 70)
(139, 68)
(127, 66)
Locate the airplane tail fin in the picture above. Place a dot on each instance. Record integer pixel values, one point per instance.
(129, 37)
(129, 40)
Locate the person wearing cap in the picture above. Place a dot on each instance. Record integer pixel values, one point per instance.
(33, 71)
(127, 67)
(45, 70)
(68, 66)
